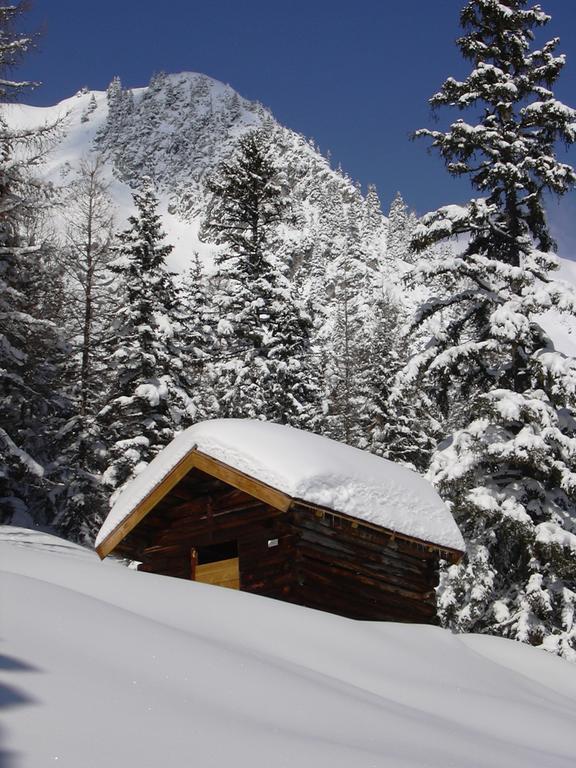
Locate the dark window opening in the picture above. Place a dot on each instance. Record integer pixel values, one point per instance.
(216, 552)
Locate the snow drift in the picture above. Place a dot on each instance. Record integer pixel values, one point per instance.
(106, 666)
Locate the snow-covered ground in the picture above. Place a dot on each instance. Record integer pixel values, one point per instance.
(104, 666)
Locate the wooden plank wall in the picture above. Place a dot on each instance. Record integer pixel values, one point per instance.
(266, 567)
(198, 512)
(361, 573)
(304, 556)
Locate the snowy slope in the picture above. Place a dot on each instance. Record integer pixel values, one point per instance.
(176, 130)
(103, 666)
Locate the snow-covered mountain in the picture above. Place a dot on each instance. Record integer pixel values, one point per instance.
(101, 665)
(176, 130)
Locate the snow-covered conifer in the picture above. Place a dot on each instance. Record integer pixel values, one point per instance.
(264, 366)
(199, 340)
(373, 221)
(348, 373)
(85, 255)
(373, 228)
(13, 46)
(401, 223)
(148, 396)
(30, 342)
(92, 106)
(399, 426)
(508, 467)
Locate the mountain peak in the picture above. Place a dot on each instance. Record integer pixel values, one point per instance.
(176, 130)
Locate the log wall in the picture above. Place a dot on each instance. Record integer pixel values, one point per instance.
(356, 571)
(306, 556)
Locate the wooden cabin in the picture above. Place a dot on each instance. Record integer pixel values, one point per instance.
(290, 515)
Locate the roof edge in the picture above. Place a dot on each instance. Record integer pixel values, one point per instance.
(148, 502)
(260, 490)
(454, 555)
(209, 465)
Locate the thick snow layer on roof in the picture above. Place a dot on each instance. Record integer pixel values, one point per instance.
(308, 467)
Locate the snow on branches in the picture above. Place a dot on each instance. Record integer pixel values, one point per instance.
(508, 467)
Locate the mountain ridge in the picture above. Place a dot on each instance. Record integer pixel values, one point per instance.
(177, 130)
(137, 132)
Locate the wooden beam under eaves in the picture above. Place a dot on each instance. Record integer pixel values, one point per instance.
(207, 464)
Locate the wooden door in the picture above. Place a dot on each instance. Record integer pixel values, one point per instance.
(223, 573)
(215, 565)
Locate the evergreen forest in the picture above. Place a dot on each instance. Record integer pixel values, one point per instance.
(417, 338)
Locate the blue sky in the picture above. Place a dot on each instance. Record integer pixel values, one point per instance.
(355, 76)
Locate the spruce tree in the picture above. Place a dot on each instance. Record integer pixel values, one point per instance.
(30, 343)
(14, 45)
(86, 254)
(264, 364)
(372, 220)
(148, 397)
(373, 229)
(349, 369)
(508, 468)
(401, 224)
(199, 340)
(401, 427)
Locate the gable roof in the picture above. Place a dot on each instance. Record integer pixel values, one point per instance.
(289, 464)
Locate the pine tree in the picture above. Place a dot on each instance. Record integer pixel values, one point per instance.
(373, 229)
(79, 497)
(401, 224)
(329, 236)
(14, 45)
(86, 255)
(199, 340)
(120, 104)
(264, 367)
(410, 429)
(30, 343)
(509, 466)
(372, 220)
(92, 106)
(349, 366)
(148, 396)
(400, 427)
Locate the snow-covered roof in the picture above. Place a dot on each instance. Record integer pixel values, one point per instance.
(308, 467)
